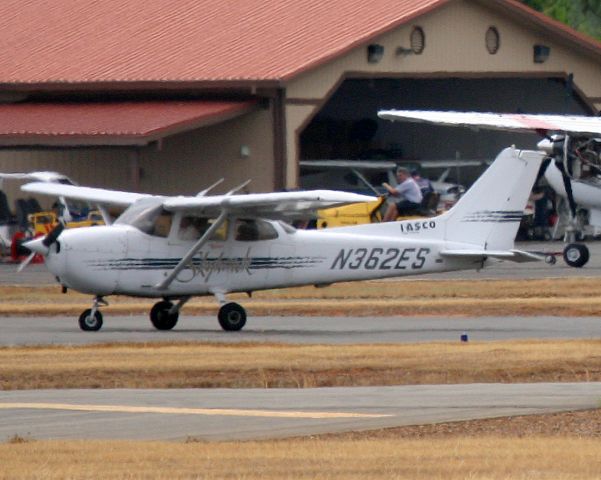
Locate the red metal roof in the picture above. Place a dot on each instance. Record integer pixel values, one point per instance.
(185, 40)
(115, 123)
(70, 41)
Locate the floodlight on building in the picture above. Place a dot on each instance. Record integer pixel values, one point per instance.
(541, 53)
(404, 51)
(244, 151)
(375, 52)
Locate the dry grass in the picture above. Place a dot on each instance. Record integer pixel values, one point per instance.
(297, 366)
(487, 458)
(565, 296)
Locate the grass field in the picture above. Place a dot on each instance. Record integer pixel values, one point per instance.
(261, 365)
(490, 458)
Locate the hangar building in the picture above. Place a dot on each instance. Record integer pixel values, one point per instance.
(167, 97)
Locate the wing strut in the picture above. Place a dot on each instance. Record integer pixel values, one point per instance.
(183, 263)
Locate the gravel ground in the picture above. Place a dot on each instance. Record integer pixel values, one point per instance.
(584, 423)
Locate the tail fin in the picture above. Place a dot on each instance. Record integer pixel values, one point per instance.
(489, 213)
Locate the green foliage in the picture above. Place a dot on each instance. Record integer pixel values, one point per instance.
(583, 15)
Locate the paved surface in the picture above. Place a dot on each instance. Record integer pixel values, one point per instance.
(220, 414)
(326, 330)
(39, 275)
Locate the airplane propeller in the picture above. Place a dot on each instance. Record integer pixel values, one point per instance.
(41, 245)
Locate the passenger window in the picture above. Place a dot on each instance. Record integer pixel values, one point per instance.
(253, 230)
(192, 227)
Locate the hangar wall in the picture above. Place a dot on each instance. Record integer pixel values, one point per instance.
(454, 47)
(182, 164)
(189, 162)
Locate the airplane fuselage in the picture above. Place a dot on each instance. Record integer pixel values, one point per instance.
(123, 260)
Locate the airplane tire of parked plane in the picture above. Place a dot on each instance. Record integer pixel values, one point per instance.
(160, 316)
(576, 254)
(232, 317)
(89, 322)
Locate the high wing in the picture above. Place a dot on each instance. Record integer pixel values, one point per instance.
(279, 205)
(576, 124)
(267, 205)
(94, 195)
(37, 176)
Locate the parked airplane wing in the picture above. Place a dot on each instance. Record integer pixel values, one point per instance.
(500, 121)
(89, 194)
(268, 205)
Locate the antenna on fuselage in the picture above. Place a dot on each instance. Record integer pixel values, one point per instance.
(239, 187)
(208, 189)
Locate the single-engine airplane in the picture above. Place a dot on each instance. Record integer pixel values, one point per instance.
(243, 244)
(572, 167)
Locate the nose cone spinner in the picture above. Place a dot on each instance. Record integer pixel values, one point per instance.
(37, 245)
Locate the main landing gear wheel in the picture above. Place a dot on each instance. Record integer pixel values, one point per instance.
(232, 317)
(160, 316)
(89, 322)
(576, 254)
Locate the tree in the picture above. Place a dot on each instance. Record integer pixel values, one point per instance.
(582, 15)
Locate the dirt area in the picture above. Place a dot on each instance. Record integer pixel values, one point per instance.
(584, 423)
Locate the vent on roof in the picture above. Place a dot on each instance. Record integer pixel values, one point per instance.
(417, 43)
(492, 40)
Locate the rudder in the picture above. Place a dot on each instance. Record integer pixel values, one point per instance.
(489, 213)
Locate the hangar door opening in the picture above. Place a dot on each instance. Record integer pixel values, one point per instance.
(347, 127)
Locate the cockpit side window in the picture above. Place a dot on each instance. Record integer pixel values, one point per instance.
(251, 230)
(162, 224)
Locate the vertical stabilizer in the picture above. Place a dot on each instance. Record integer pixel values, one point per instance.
(490, 212)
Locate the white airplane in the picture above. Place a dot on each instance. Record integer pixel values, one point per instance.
(572, 144)
(243, 244)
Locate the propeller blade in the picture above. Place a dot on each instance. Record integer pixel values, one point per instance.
(543, 168)
(53, 235)
(26, 262)
(568, 186)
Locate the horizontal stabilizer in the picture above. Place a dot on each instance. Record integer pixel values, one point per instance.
(519, 256)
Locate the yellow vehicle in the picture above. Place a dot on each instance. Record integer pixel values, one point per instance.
(370, 212)
(42, 222)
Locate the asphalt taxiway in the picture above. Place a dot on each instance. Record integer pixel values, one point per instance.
(240, 414)
(15, 331)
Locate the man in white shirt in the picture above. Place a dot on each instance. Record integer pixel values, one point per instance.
(407, 194)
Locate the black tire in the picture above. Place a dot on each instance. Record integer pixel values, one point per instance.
(232, 317)
(89, 323)
(160, 317)
(576, 255)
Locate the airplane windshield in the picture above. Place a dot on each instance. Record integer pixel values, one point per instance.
(148, 216)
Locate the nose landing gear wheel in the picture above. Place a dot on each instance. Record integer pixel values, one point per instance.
(160, 316)
(576, 254)
(232, 317)
(89, 322)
